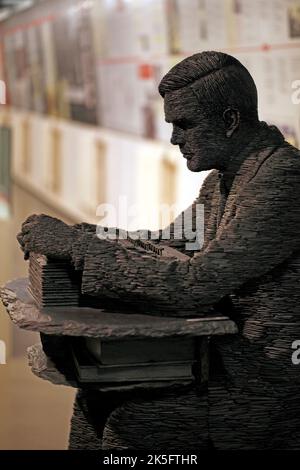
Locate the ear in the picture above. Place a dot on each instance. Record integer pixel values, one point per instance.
(231, 119)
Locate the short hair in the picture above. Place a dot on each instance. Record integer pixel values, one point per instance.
(218, 80)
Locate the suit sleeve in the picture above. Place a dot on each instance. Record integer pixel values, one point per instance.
(263, 233)
(175, 235)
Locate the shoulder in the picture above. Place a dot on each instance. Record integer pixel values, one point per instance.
(275, 182)
(282, 165)
(287, 157)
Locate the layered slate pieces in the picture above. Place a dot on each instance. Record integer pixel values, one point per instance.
(53, 282)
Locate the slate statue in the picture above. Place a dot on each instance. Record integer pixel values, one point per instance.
(250, 261)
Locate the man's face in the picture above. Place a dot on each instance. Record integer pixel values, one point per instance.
(201, 140)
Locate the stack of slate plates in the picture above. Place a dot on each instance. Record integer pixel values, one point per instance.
(52, 282)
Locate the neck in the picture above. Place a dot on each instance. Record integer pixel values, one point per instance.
(245, 143)
(237, 147)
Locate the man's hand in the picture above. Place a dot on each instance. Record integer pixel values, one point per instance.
(47, 236)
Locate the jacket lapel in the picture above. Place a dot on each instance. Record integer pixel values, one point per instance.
(246, 172)
(257, 151)
(211, 222)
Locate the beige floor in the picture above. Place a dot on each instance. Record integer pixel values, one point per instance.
(34, 414)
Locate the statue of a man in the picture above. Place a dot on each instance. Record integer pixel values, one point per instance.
(251, 253)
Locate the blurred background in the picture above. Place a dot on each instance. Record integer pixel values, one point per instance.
(82, 124)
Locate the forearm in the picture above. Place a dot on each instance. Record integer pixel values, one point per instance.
(136, 276)
(80, 246)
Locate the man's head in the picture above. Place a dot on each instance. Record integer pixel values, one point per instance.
(211, 99)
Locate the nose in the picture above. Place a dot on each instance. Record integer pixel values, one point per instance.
(177, 137)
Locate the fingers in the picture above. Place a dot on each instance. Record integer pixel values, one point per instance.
(35, 218)
(35, 233)
(27, 227)
(21, 241)
(20, 238)
(24, 238)
(27, 242)
(31, 218)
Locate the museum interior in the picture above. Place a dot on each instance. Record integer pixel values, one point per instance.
(82, 130)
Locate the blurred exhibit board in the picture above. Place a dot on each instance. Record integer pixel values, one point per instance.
(5, 174)
(78, 168)
(100, 61)
(87, 122)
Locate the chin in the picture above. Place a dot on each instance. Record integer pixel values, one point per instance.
(195, 165)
